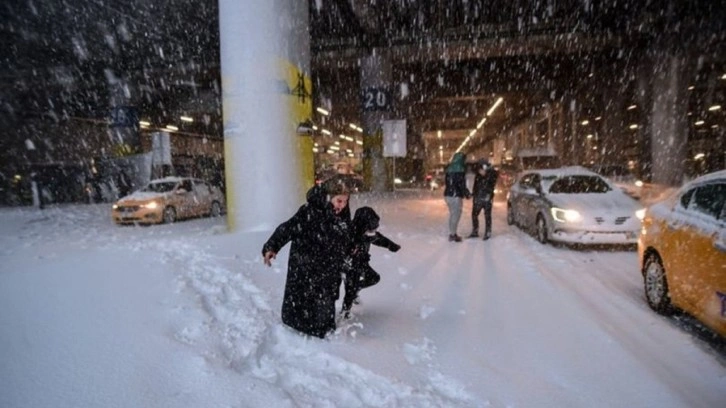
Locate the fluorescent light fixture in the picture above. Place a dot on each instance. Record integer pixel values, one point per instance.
(699, 123)
(472, 133)
(315, 127)
(690, 88)
(359, 129)
(360, 142)
(585, 122)
(598, 118)
(723, 76)
(186, 118)
(714, 108)
(316, 150)
(491, 110)
(327, 132)
(589, 136)
(330, 151)
(144, 123)
(631, 107)
(438, 134)
(699, 156)
(334, 147)
(481, 123)
(323, 111)
(350, 139)
(172, 128)
(342, 136)
(633, 126)
(353, 126)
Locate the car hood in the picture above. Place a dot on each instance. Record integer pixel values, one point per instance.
(612, 202)
(142, 196)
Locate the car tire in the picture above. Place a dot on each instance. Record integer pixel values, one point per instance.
(215, 210)
(510, 215)
(169, 215)
(541, 229)
(655, 285)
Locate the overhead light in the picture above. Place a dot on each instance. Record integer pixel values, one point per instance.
(144, 123)
(438, 134)
(633, 126)
(327, 132)
(699, 123)
(316, 150)
(359, 129)
(323, 111)
(598, 118)
(481, 123)
(330, 151)
(359, 142)
(631, 107)
(172, 128)
(315, 127)
(589, 136)
(353, 126)
(690, 88)
(723, 76)
(585, 122)
(491, 110)
(334, 147)
(699, 156)
(342, 136)
(472, 133)
(186, 118)
(714, 108)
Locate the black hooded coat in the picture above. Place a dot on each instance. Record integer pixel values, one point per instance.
(320, 243)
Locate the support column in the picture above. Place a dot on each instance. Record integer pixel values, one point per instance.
(375, 85)
(262, 153)
(669, 130)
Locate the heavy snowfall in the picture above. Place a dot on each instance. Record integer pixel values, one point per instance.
(187, 315)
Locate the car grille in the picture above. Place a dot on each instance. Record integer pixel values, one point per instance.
(616, 221)
(128, 208)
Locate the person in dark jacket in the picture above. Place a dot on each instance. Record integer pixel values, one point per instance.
(320, 238)
(455, 191)
(485, 181)
(360, 274)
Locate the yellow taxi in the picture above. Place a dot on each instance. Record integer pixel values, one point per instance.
(168, 199)
(682, 252)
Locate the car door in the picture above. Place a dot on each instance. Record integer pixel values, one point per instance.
(203, 195)
(517, 197)
(702, 263)
(186, 199)
(532, 199)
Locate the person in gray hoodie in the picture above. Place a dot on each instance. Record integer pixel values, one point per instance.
(455, 192)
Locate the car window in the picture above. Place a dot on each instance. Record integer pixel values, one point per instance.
(526, 181)
(187, 185)
(686, 198)
(164, 187)
(709, 199)
(579, 184)
(202, 186)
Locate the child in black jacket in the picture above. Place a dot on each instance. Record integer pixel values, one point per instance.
(360, 274)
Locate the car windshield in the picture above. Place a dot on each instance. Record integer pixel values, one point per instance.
(580, 184)
(163, 187)
(614, 171)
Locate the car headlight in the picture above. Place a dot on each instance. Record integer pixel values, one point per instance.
(638, 183)
(151, 205)
(640, 214)
(563, 215)
(115, 206)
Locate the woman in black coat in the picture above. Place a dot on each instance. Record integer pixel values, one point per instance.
(320, 241)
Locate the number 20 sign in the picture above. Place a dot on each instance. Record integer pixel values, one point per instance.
(376, 99)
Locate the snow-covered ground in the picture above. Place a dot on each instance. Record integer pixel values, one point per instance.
(186, 315)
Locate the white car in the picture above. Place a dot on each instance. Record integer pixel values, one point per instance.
(573, 205)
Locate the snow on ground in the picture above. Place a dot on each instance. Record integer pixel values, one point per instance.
(186, 315)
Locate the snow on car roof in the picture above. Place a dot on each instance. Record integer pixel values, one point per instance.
(564, 171)
(168, 179)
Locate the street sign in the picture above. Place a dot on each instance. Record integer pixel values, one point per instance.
(394, 138)
(376, 99)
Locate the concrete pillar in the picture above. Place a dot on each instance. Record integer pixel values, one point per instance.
(261, 49)
(669, 128)
(376, 101)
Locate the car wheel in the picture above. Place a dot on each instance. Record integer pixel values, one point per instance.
(510, 215)
(216, 209)
(656, 285)
(541, 229)
(169, 215)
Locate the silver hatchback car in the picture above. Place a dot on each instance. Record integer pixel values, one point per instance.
(573, 205)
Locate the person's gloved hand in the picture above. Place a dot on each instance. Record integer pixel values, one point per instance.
(394, 248)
